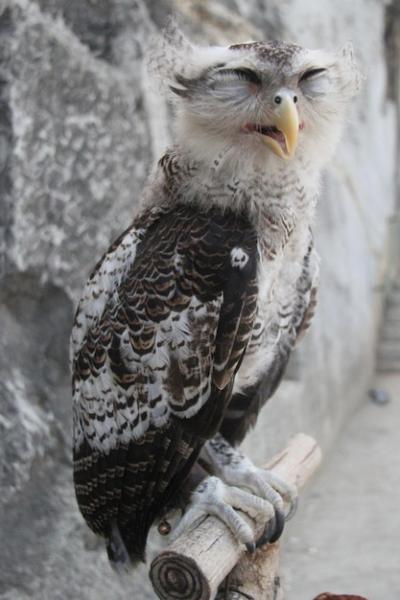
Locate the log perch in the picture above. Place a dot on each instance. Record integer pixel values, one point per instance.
(194, 566)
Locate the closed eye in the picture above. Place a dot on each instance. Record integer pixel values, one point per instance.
(242, 73)
(310, 74)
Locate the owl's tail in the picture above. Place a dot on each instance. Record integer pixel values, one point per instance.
(126, 545)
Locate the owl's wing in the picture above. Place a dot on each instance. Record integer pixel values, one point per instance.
(158, 336)
(245, 405)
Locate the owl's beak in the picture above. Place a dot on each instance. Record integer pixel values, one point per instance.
(286, 120)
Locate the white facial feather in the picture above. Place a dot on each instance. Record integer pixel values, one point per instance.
(212, 104)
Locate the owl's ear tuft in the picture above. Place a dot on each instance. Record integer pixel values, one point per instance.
(170, 57)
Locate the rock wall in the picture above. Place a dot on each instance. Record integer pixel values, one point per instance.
(79, 130)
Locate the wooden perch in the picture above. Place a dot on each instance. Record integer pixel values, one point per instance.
(193, 567)
(255, 576)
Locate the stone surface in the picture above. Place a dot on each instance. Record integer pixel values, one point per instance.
(79, 130)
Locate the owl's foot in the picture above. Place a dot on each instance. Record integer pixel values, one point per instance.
(214, 497)
(237, 470)
(265, 484)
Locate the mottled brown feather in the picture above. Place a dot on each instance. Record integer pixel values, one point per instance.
(132, 483)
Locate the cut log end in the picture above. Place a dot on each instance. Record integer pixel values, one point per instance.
(178, 577)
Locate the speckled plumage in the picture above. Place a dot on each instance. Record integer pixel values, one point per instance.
(187, 323)
(165, 342)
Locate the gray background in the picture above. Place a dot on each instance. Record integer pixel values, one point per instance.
(80, 128)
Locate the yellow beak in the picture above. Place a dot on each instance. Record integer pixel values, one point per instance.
(286, 119)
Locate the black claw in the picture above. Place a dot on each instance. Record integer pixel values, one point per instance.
(268, 533)
(273, 529)
(279, 525)
(251, 547)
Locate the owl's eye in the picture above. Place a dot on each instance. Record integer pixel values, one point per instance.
(311, 73)
(247, 74)
(241, 73)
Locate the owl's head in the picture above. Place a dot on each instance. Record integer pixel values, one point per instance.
(261, 101)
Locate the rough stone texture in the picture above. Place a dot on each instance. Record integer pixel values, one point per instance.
(79, 130)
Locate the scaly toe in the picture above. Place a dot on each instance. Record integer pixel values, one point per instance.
(287, 491)
(213, 497)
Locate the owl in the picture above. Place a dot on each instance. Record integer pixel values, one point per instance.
(186, 324)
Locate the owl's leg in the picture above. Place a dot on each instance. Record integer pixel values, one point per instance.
(214, 497)
(235, 469)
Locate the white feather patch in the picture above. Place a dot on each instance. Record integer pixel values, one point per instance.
(239, 258)
(102, 285)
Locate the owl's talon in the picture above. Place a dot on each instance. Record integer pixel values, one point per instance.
(279, 525)
(251, 547)
(214, 497)
(267, 534)
(273, 529)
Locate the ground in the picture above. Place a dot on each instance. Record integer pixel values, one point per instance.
(345, 536)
